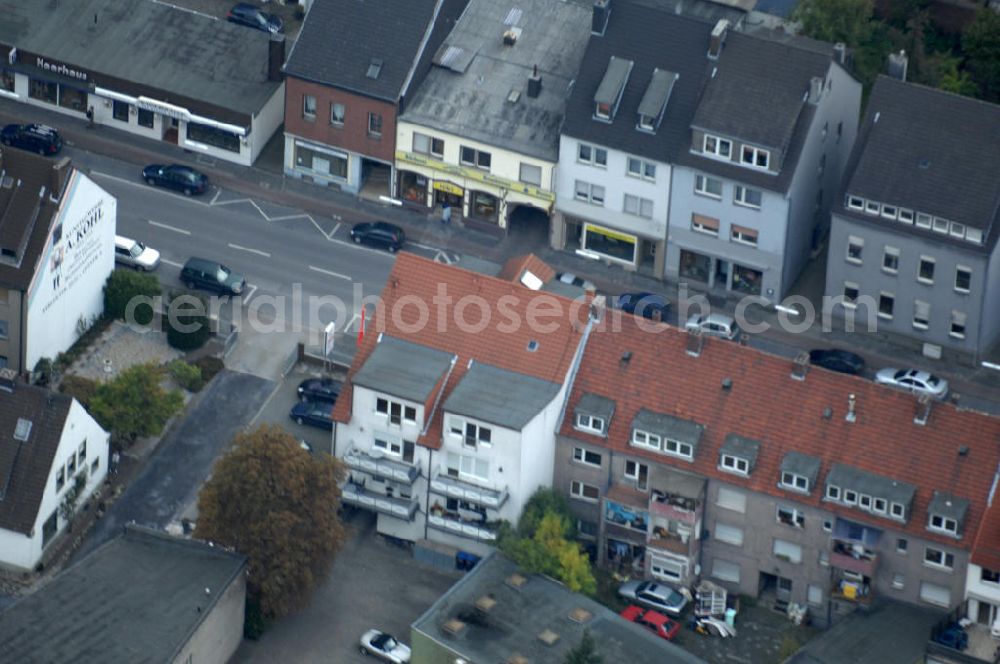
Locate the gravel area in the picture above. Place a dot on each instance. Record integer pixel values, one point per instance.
(123, 348)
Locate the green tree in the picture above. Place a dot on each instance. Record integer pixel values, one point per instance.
(122, 287)
(848, 21)
(134, 404)
(549, 550)
(981, 43)
(187, 323)
(586, 652)
(544, 501)
(277, 504)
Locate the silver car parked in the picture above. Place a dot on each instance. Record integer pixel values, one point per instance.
(653, 595)
(913, 380)
(135, 254)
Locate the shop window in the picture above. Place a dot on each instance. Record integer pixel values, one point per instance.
(337, 114)
(72, 98)
(694, 265)
(146, 118)
(320, 162)
(119, 111)
(746, 280)
(213, 136)
(6, 80)
(43, 91)
(610, 243)
(483, 206)
(413, 187)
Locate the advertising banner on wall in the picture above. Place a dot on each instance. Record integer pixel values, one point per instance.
(68, 286)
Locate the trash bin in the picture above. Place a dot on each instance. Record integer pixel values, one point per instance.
(731, 617)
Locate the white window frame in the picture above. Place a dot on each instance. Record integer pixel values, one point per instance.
(855, 203)
(924, 220)
(581, 454)
(967, 270)
(404, 409)
(527, 180)
(477, 158)
(942, 524)
(794, 484)
(941, 225)
(737, 234)
(897, 507)
(728, 534)
(797, 516)
(646, 439)
(957, 229)
(898, 581)
(943, 558)
(593, 158)
(374, 124)
(636, 473)
(643, 207)
(850, 497)
(872, 207)
(740, 197)
(677, 448)
(852, 242)
(343, 115)
(577, 490)
(755, 154)
(307, 102)
(724, 570)
(958, 325)
(974, 235)
(590, 423)
(717, 147)
(643, 169)
(905, 216)
(590, 196)
(890, 251)
(698, 227)
(833, 492)
(921, 322)
(737, 465)
(392, 447)
(889, 296)
(890, 211)
(788, 551)
(920, 268)
(731, 499)
(701, 182)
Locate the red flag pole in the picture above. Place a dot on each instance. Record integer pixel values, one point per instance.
(361, 329)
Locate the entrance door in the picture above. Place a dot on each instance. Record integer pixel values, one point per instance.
(987, 613)
(721, 274)
(408, 448)
(784, 588)
(454, 201)
(172, 127)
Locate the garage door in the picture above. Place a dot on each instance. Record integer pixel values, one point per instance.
(937, 595)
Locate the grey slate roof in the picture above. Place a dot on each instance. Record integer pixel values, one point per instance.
(340, 39)
(744, 448)
(598, 406)
(134, 599)
(26, 466)
(904, 158)
(154, 44)
(803, 465)
(514, 623)
(946, 505)
(500, 397)
(403, 369)
(668, 426)
(855, 479)
(466, 92)
(652, 37)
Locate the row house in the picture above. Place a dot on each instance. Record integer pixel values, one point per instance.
(481, 134)
(913, 246)
(348, 77)
(774, 479)
(446, 420)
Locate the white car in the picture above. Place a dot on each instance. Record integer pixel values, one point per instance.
(714, 325)
(135, 254)
(913, 380)
(384, 646)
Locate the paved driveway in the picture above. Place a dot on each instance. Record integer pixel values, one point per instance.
(371, 584)
(182, 461)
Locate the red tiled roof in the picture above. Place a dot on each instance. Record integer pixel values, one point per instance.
(500, 343)
(765, 403)
(514, 269)
(986, 550)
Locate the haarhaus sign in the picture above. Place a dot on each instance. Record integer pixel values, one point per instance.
(61, 69)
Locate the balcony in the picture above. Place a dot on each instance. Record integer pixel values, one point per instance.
(664, 540)
(853, 558)
(357, 495)
(389, 469)
(456, 488)
(451, 523)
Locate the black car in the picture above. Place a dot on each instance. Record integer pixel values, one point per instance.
(838, 360)
(314, 413)
(647, 305)
(252, 17)
(32, 137)
(319, 389)
(211, 275)
(380, 234)
(176, 176)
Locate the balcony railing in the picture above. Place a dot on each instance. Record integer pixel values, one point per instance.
(667, 541)
(456, 526)
(861, 560)
(456, 488)
(355, 494)
(389, 469)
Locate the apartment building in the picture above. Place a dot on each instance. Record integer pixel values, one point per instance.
(913, 245)
(685, 458)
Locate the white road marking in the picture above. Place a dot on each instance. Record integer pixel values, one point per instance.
(423, 246)
(335, 228)
(169, 227)
(252, 251)
(330, 273)
(169, 262)
(350, 323)
(251, 289)
(264, 405)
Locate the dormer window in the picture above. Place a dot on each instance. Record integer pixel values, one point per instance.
(798, 472)
(734, 464)
(654, 100)
(593, 413)
(943, 524)
(609, 92)
(720, 147)
(946, 513)
(590, 423)
(794, 481)
(756, 157)
(738, 455)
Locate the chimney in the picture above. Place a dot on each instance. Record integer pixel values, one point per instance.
(695, 341)
(509, 38)
(625, 359)
(923, 411)
(801, 366)
(840, 52)
(717, 39)
(275, 57)
(534, 83)
(852, 401)
(58, 177)
(599, 21)
(815, 89)
(896, 67)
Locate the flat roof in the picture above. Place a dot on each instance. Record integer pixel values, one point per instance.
(519, 616)
(500, 397)
(153, 44)
(469, 89)
(403, 369)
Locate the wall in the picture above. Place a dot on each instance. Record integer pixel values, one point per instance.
(977, 590)
(221, 632)
(76, 262)
(266, 122)
(10, 311)
(568, 469)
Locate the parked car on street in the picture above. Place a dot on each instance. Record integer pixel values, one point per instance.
(176, 176)
(379, 234)
(32, 137)
(314, 413)
(834, 359)
(213, 276)
(647, 305)
(659, 624)
(135, 254)
(913, 380)
(574, 280)
(714, 325)
(384, 646)
(657, 596)
(244, 13)
(319, 389)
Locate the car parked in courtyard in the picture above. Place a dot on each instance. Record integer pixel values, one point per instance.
(243, 13)
(656, 622)
(314, 413)
(319, 389)
(176, 176)
(841, 361)
(653, 595)
(384, 646)
(913, 380)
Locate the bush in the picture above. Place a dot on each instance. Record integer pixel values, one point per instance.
(186, 375)
(121, 287)
(134, 404)
(43, 372)
(209, 366)
(80, 388)
(193, 327)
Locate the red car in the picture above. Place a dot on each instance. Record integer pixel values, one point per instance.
(662, 626)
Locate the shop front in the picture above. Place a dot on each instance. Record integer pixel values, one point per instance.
(413, 188)
(320, 162)
(446, 193)
(719, 273)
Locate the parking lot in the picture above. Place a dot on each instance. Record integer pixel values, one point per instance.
(276, 411)
(371, 584)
